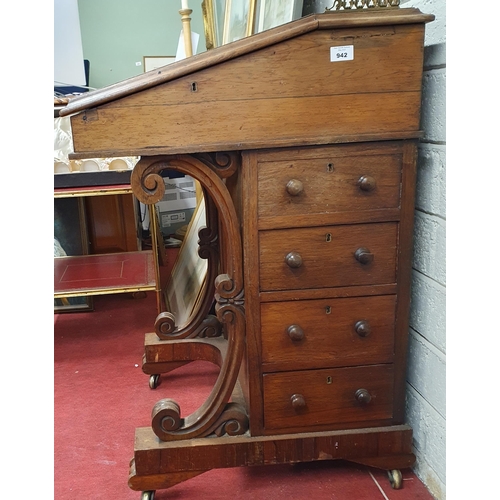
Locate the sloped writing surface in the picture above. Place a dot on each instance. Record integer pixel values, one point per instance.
(220, 55)
(286, 92)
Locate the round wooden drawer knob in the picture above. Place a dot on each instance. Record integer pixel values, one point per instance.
(294, 187)
(298, 401)
(293, 259)
(295, 332)
(363, 328)
(363, 396)
(367, 183)
(363, 255)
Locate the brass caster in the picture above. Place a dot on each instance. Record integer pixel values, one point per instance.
(148, 495)
(154, 381)
(395, 478)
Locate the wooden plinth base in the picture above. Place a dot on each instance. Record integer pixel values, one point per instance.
(160, 465)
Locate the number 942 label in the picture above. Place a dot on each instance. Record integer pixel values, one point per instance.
(343, 53)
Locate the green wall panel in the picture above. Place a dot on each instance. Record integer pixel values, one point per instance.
(116, 34)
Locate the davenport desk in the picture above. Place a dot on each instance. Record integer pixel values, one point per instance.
(304, 139)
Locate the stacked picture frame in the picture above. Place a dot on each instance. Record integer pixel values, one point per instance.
(226, 21)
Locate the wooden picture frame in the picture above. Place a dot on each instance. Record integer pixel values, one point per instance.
(228, 20)
(189, 272)
(272, 13)
(149, 63)
(70, 234)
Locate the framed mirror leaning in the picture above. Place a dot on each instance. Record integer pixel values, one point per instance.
(226, 21)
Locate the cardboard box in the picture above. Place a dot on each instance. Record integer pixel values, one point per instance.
(178, 204)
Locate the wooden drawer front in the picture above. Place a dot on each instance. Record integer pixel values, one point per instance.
(325, 333)
(326, 256)
(327, 397)
(328, 184)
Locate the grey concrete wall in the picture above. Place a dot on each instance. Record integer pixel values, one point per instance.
(426, 376)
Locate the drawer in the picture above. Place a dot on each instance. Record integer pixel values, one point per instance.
(328, 397)
(330, 256)
(326, 333)
(328, 183)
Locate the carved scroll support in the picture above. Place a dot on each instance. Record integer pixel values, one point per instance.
(215, 413)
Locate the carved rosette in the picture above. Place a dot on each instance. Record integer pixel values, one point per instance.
(216, 413)
(228, 302)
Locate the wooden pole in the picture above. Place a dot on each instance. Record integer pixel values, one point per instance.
(185, 13)
(186, 30)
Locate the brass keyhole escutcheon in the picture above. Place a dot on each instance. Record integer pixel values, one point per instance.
(328, 380)
(329, 167)
(328, 309)
(328, 237)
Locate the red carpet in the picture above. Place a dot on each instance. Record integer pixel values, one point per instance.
(101, 395)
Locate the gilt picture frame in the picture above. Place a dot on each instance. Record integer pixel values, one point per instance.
(238, 20)
(226, 21)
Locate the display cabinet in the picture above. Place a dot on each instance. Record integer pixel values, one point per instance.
(107, 273)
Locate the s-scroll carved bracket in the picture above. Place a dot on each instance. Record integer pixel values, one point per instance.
(167, 422)
(147, 185)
